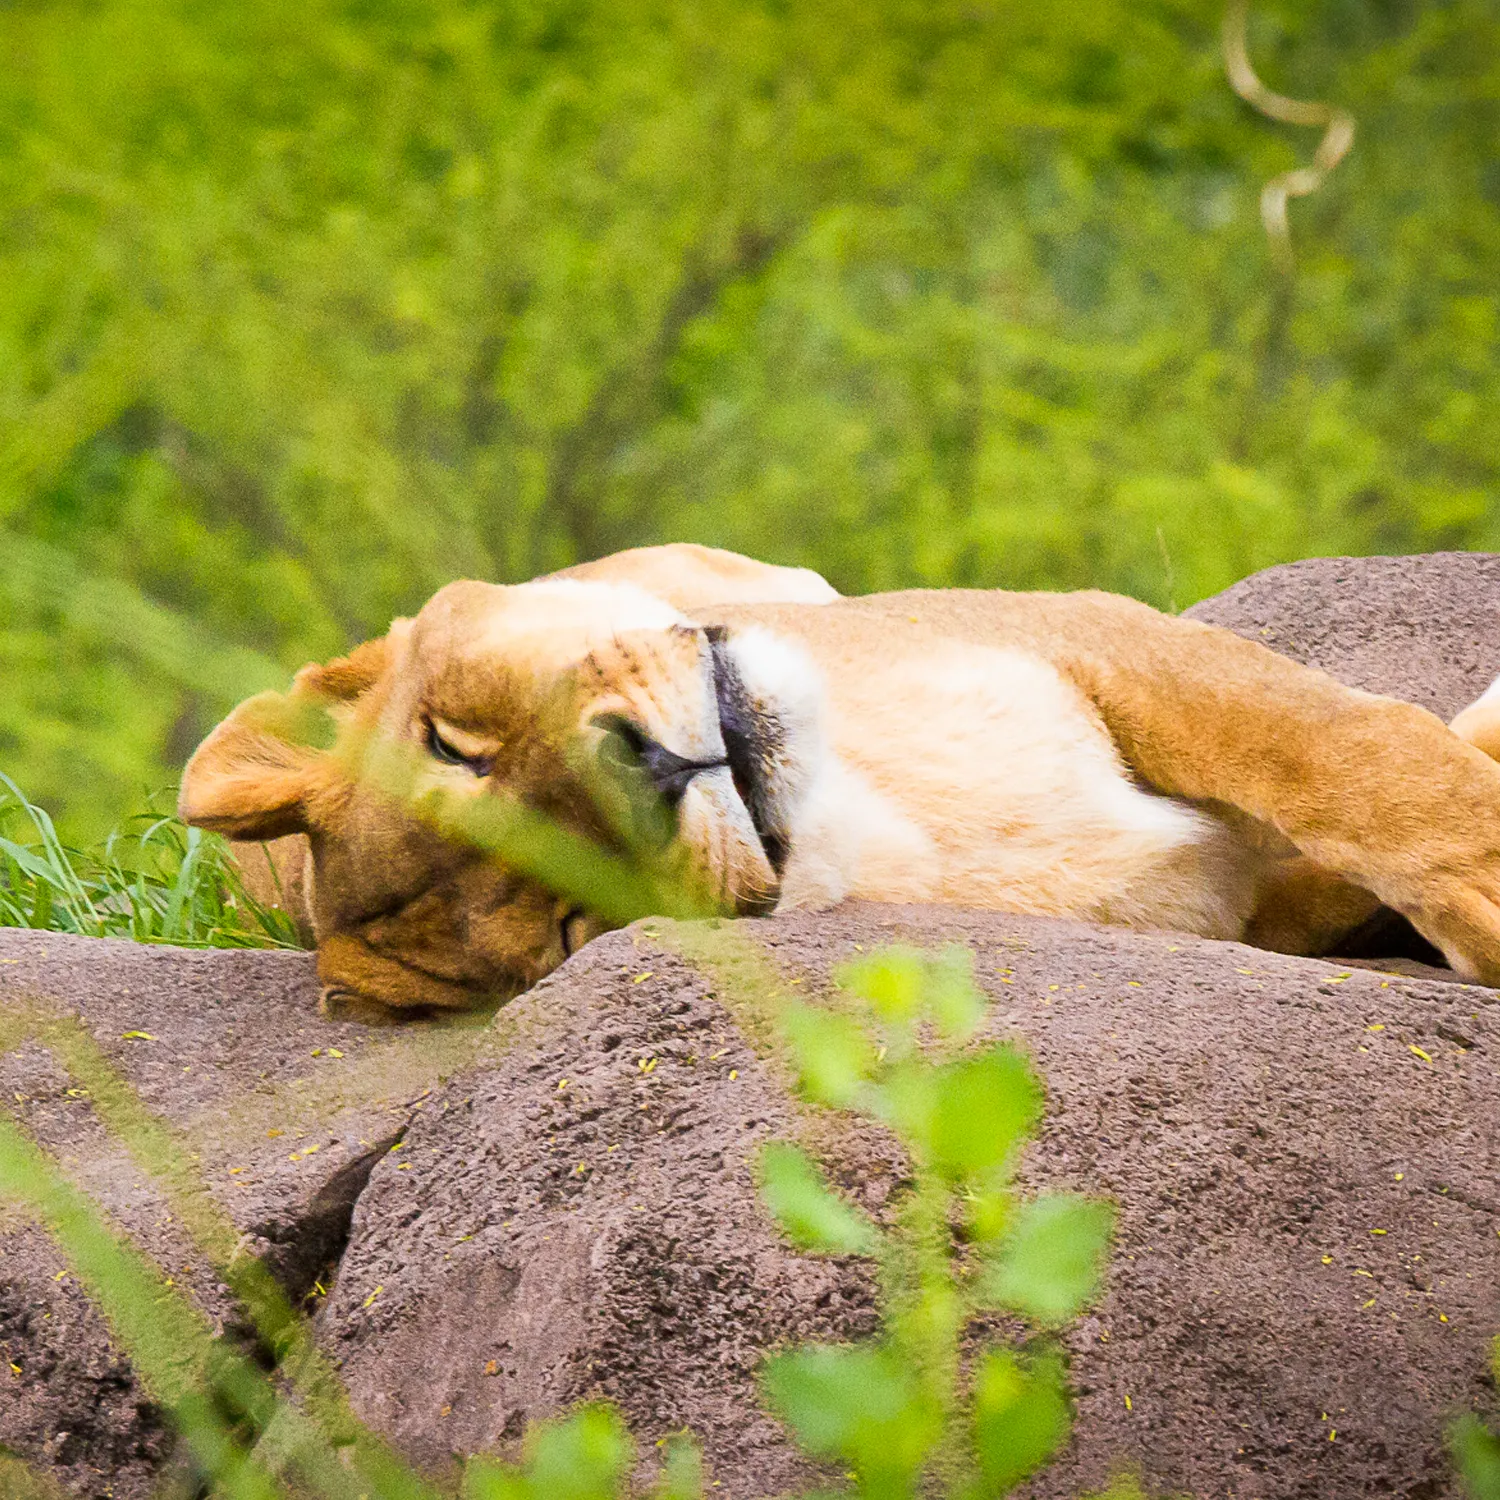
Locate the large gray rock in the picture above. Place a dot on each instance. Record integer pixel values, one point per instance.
(529, 1244)
(277, 1114)
(1426, 629)
(1309, 1232)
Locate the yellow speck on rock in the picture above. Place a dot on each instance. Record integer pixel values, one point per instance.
(1128, 1406)
(642, 978)
(733, 1074)
(1416, 1051)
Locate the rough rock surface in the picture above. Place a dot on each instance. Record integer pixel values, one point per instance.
(1426, 629)
(279, 1112)
(567, 1210)
(1309, 1236)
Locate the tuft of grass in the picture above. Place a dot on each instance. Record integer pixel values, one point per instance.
(153, 879)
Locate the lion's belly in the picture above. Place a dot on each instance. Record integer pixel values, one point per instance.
(985, 779)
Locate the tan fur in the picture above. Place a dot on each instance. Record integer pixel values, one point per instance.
(391, 905)
(1068, 754)
(690, 576)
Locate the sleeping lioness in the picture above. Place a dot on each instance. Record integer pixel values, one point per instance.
(1074, 755)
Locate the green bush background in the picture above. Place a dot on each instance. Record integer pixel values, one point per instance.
(306, 309)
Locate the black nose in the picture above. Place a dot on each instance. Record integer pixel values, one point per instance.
(668, 772)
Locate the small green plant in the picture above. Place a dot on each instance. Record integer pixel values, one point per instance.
(154, 880)
(919, 1405)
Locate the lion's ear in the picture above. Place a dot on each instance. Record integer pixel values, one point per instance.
(346, 678)
(257, 772)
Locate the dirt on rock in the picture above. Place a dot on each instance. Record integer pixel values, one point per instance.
(278, 1113)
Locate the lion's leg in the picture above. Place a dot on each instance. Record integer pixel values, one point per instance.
(1377, 793)
(1479, 723)
(1306, 909)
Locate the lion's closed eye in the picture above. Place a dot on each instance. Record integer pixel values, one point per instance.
(444, 750)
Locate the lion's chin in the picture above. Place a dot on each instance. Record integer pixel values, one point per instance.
(361, 984)
(726, 859)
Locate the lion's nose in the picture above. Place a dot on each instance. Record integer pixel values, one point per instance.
(628, 748)
(670, 772)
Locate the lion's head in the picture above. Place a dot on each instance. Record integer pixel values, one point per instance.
(595, 704)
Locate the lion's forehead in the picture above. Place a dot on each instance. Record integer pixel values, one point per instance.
(551, 622)
(534, 654)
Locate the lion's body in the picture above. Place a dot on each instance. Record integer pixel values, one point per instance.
(979, 775)
(1068, 754)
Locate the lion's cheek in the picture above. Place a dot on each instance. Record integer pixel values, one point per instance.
(722, 852)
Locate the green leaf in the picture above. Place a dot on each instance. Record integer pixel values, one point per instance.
(1021, 1416)
(953, 999)
(901, 985)
(682, 1471)
(484, 1479)
(967, 1117)
(1048, 1266)
(810, 1214)
(862, 1405)
(1476, 1452)
(834, 1056)
(989, 1212)
(892, 982)
(586, 1457)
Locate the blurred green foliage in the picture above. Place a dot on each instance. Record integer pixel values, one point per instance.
(1476, 1448)
(904, 1411)
(306, 310)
